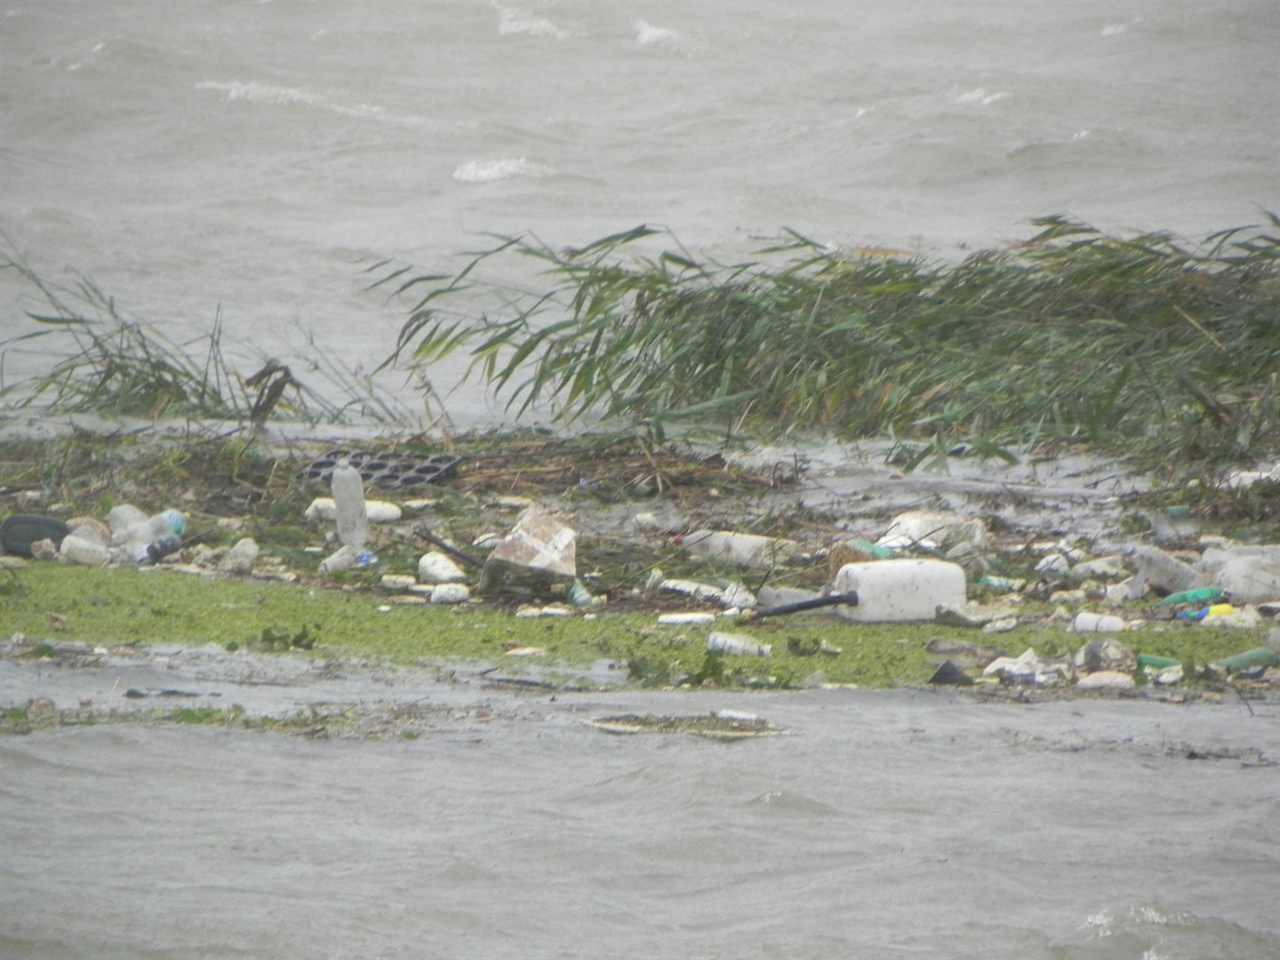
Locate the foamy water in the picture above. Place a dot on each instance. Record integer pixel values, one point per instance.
(250, 160)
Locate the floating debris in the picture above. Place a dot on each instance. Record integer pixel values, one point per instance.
(720, 725)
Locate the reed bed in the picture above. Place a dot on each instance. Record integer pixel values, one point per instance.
(1148, 344)
(119, 366)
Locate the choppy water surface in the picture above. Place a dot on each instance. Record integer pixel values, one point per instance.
(887, 824)
(250, 159)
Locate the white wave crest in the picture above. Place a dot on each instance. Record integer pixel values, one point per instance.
(282, 96)
(982, 96)
(491, 171)
(261, 92)
(512, 21)
(647, 35)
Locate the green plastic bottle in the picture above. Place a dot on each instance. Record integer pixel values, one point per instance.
(1200, 595)
(1257, 657)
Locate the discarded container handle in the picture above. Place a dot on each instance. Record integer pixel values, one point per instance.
(448, 548)
(850, 599)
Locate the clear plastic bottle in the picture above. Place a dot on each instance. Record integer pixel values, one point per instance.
(79, 550)
(137, 535)
(348, 505)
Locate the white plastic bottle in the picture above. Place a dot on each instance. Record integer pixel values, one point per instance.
(348, 505)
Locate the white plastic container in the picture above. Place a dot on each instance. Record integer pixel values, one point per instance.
(1086, 622)
(891, 591)
(348, 505)
(745, 549)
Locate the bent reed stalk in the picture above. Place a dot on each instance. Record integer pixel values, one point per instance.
(1148, 343)
(124, 367)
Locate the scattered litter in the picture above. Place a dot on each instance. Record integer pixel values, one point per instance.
(1086, 622)
(744, 549)
(1053, 563)
(969, 615)
(1257, 657)
(20, 531)
(680, 619)
(1163, 572)
(950, 674)
(516, 650)
(1004, 625)
(450, 593)
(322, 510)
(737, 645)
(436, 567)
(963, 652)
(900, 590)
(1104, 656)
(810, 647)
(1103, 568)
(933, 530)
(1105, 680)
(540, 549)
(240, 558)
(382, 469)
(1028, 668)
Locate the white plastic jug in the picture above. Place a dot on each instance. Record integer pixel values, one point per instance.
(900, 590)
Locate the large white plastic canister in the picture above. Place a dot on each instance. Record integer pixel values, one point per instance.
(896, 590)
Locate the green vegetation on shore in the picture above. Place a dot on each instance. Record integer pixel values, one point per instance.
(1168, 350)
(114, 606)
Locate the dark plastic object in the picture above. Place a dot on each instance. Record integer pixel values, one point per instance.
(386, 470)
(19, 532)
(849, 599)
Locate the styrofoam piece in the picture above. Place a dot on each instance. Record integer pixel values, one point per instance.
(378, 511)
(892, 591)
(540, 546)
(436, 567)
(450, 593)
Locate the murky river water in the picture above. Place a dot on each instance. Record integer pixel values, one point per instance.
(886, 824)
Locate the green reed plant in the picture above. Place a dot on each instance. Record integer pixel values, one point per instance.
(119, 366)
(1146, 343)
